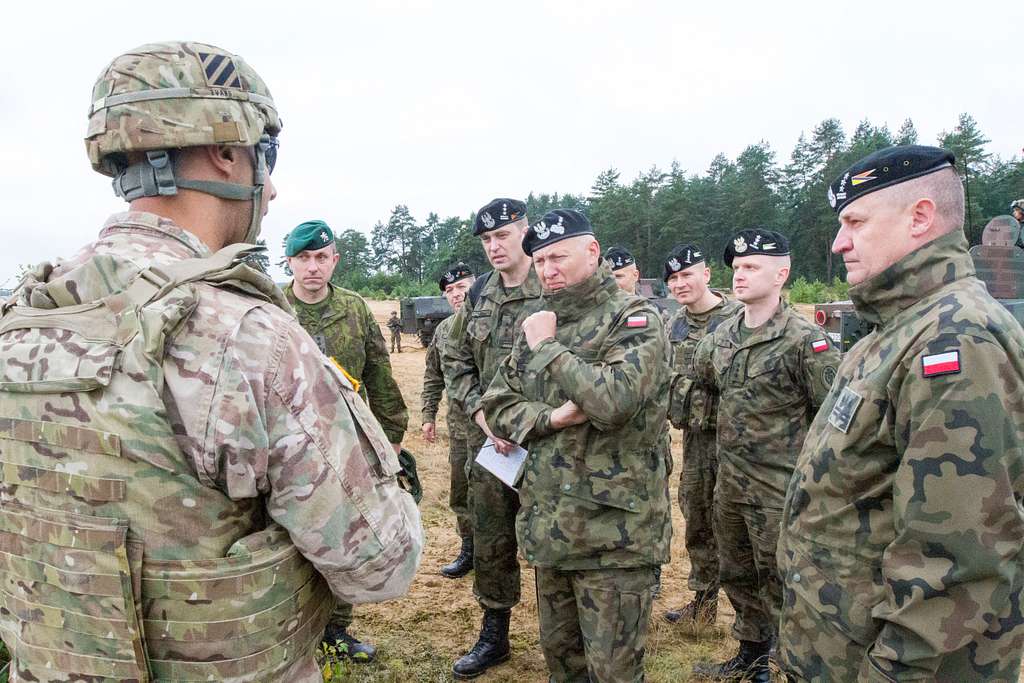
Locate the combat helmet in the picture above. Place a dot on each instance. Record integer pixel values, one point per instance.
(162, 97)
(1016, 204)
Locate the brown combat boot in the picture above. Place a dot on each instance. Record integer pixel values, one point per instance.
(701, 611)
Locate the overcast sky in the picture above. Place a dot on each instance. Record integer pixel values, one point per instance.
(444, 105)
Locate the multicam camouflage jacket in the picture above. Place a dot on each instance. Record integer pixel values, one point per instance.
(433, 381)
(694, 407)
(594, 495)
(481, 337)
(903, 533)
(345, 330)
(770, 387)
(182, 478)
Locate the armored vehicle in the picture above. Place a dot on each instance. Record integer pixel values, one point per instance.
(421, 315)
(998, 260)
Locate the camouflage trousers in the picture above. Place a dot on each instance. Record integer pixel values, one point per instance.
(341, 617)
(458, 491)
(696, 501)
(396, 342)
(495, 550)
(593, 622)
(748, 536)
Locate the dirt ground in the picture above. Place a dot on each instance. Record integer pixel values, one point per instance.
(420, 636)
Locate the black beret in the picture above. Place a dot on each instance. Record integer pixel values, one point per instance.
(454, 273)
(498, 212)
(886, 167)
(755, 241)
(617, 257)
(682, 257)
(556, 226)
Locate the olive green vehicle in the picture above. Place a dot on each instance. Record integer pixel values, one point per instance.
(422, 314)
(999, 261)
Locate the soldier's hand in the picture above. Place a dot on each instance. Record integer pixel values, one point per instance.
(429, 431)
(397, 447)
(539, 326)
(567, 415)
(501, 445)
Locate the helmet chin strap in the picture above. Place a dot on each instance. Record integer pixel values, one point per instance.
(154, 177)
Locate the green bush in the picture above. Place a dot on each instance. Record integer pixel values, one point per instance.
(803, 291)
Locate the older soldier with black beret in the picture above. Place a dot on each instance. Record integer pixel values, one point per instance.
(624, 268)
(772, 369)
(903, 533)
(480, 340)
(585, 390)
(454, 283)
(693, 409)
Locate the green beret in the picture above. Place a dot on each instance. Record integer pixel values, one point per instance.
(311, 235)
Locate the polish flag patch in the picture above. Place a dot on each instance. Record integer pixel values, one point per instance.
(819, 345)
(636, 321)
(941, 364)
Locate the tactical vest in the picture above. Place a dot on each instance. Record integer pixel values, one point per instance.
(100, 577)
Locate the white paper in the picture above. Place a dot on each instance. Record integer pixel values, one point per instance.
(507, 468)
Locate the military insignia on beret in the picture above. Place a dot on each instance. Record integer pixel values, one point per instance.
(819, 345)
(832, 197)
(619, 261)
(674, 263)
(844, 409)
(694, 255)
(324, 237)
(450, 277)
(862, 177)
(739, 245)
(504, 212)
(941, 364)
(487, 220)
(636, 321)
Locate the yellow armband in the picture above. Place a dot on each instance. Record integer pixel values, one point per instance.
(355, 383)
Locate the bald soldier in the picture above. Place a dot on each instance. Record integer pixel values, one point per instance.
(585, 391)
(771, 369)
(187, 484)
(903, 535)
(454, 284)
(480, 340)
(624, 269)
(344, 330)
(693, 409)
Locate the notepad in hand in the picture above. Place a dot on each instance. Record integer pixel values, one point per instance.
(507, 468)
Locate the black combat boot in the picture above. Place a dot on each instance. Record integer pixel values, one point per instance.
(491, 649)
(348, 646)
(750, 664)
(463, 564)
(701, 611)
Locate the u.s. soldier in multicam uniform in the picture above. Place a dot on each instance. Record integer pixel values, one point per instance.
(585, 390)
(454, 283)
(481, 338)
(903, 534)
(186, 482)
(344, 329)
(772, 370)
(693, 409)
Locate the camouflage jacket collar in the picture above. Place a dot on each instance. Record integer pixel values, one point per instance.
(918, 274)
(289, 293)
(495, 287)
(141, 220)
(775, 326)
(723, 306)
(572, 303)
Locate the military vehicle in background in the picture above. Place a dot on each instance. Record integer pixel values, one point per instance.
(998, 260)
(421, 315)
(655, 290)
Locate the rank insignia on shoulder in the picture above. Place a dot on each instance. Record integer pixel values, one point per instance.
(636, 321)
(941, 364)
(819, 345)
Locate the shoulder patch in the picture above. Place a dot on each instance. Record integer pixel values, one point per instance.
(639, 320)
(940, 364)
(819, 345)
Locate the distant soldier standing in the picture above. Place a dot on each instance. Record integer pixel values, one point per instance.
(772, 370)
(395, 325)
(454, 283)
(344, 329)
(480, 340)
(624, 268)
(694, 409)
(902, 544)
(585, 390)
(1017, 211)
(186, 487)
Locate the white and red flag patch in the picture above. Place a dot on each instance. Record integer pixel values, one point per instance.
(941, 364)
(819, 345)
(636, 321)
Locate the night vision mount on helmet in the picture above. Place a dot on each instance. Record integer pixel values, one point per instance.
(163, 97)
